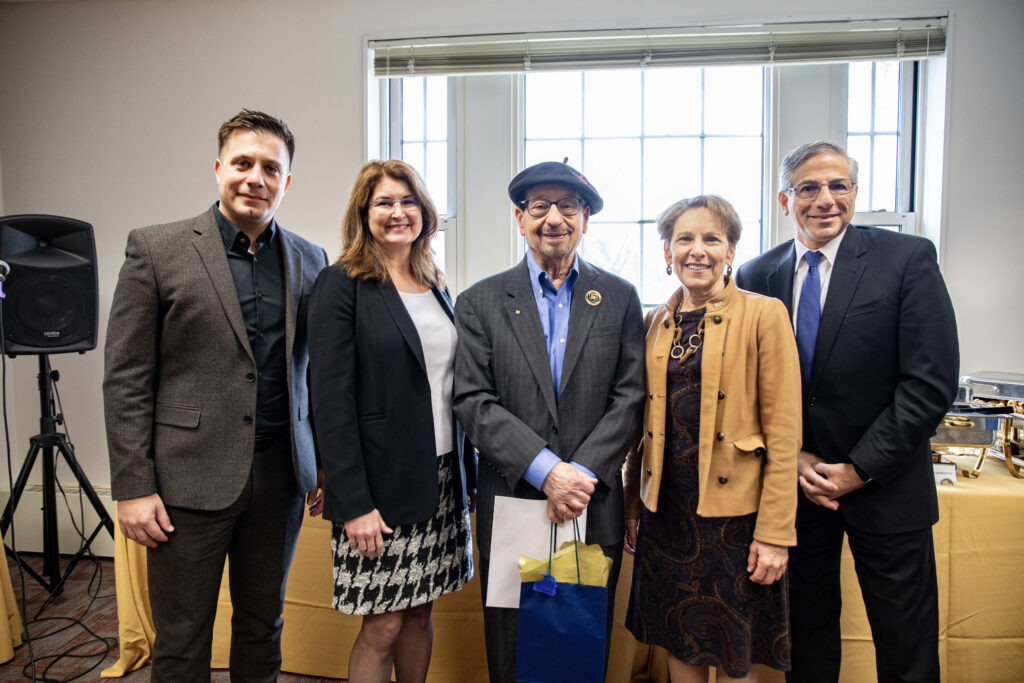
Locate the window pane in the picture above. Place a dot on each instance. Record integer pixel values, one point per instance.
(563, 120)
(436, 176)
(733, 100)
(553, 150)
(887, 96)
(859, 148)
(883, 174)
(672, 101)
(437, 246)
(732, 169)
(413, 154)
(749, 245)
(611, 103)
(656, 286)
(613, 166)
(858, 116)
(671, 172)
(412, 108)
(614, 247)
(437, 108)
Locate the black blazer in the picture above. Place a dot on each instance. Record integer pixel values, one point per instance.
(885, 370)
(370, 402)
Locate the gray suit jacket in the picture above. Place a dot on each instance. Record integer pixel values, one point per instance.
(505, 398)
(179, 386)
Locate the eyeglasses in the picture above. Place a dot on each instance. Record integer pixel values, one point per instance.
(409, 203)
(538, 208)
(810, 190)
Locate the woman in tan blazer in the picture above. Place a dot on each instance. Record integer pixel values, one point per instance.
(716, 467)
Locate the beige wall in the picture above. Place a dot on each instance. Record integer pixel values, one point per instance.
(109, 109)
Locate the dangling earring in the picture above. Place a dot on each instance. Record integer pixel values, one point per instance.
(668, 269)
(728, 269)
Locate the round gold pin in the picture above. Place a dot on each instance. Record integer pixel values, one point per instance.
(593, 297)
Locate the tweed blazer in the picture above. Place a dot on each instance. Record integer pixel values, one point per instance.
(749, 414)
(179, 385)
(505, 398)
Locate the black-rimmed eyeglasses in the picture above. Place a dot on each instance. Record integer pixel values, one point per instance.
(538, 208)
(810, 190)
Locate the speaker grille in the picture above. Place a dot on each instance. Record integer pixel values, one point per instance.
(51, 304)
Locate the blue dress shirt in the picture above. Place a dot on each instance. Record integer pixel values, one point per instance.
(553, 305)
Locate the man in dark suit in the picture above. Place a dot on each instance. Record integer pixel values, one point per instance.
(549, 380)
(878, 350)
(207, 410)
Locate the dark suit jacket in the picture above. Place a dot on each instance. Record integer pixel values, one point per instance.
(505, 398)
(179, 385)
(371, 402)
(885, 369)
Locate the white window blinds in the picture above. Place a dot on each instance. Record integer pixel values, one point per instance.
(778, 43)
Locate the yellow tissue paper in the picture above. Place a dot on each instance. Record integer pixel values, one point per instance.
(594, 565)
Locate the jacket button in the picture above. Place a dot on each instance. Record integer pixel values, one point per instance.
(247, 419)
(650, 433)
(721, 395)
(723, 480)
(251, 376)
(650, 396)
(720, 436)
(648, 469)
(717, 319)
(666, 324)
(759, 452)
(810, 401)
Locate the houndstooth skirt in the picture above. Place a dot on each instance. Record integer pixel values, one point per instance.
(421, 561)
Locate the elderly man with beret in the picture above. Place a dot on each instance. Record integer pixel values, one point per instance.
(549, 380)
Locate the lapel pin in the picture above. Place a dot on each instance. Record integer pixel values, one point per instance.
(517, 311)
(593, 297)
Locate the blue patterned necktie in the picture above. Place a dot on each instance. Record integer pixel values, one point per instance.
(808, 314)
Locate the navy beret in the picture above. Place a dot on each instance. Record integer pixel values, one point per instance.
(547, 172)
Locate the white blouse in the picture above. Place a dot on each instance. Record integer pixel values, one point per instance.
(437, 337)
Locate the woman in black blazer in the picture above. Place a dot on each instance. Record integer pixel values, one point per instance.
(381, 350)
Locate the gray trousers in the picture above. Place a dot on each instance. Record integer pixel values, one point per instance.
(257, 533)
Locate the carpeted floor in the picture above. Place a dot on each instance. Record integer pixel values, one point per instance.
(73, 636)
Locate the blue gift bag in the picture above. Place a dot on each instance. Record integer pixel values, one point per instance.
(561, 629)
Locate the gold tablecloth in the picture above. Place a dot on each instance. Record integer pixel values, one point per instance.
(10, 618)
(979, 552)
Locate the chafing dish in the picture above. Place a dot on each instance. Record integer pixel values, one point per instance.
(982, 417)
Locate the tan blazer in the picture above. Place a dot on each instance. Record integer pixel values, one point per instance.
(750, 419)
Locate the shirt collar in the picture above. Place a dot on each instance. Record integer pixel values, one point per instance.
(538, 276)
(236, 240)
(829, 250)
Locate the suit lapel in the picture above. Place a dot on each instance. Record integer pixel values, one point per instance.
(846, 274)
(393, 302)
(292, 289)
(780, 280)
(524, 321)
(445, 299)
(581, 319)
(211, 251)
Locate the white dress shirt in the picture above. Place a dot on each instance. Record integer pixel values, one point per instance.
(825, 263)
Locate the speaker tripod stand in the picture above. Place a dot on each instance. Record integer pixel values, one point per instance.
(49, 442)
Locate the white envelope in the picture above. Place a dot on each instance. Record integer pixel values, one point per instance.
(520, 527)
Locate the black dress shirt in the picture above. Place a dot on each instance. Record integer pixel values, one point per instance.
(259, 281)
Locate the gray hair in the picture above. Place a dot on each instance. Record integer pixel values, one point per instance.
(721, 208)
(805, 152)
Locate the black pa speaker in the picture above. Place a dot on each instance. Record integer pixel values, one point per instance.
(51, 290)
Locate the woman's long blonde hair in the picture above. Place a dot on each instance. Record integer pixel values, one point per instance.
(361, 256)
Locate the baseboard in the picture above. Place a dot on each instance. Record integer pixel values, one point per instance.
(28, 520)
